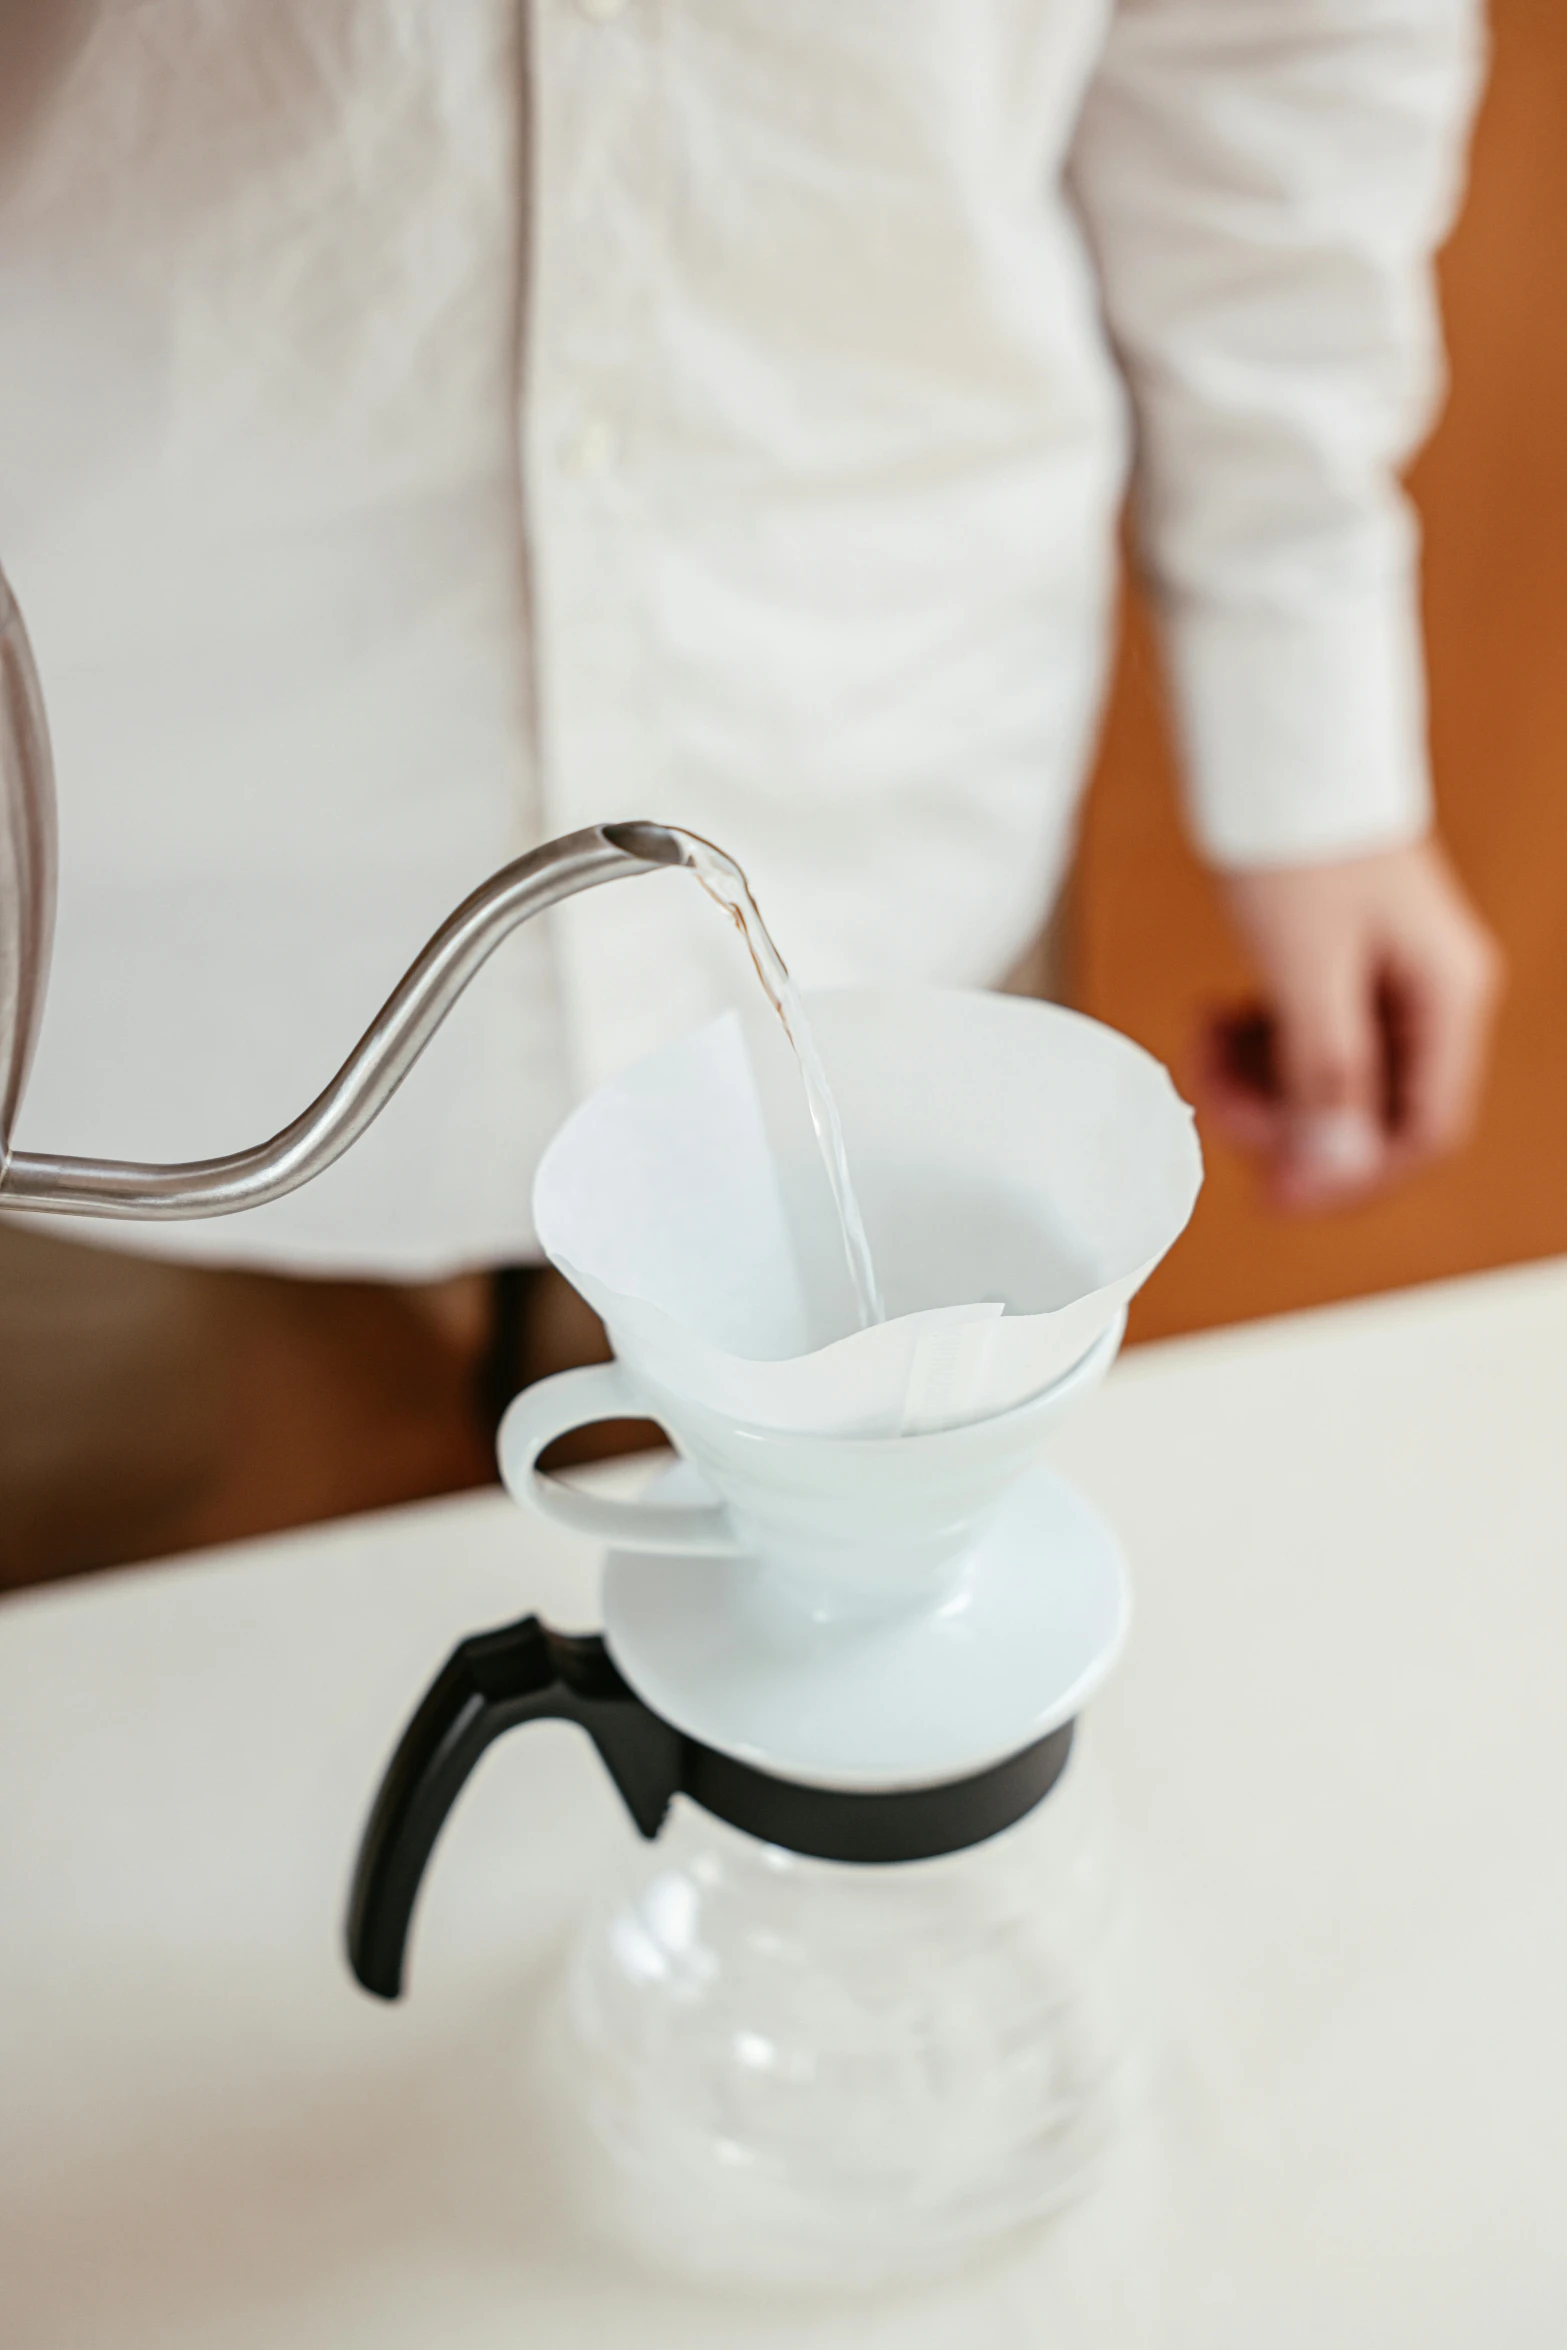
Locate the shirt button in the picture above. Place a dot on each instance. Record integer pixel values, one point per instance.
(602, 11)
(593, 448)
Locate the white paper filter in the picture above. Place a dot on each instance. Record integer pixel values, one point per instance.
(1021, 1170)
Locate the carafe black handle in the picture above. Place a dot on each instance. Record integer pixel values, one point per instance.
(527, 1673)
(490, 1683)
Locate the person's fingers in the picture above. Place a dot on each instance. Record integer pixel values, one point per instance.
(1330, 1061)
(1235, 1081)
(1329, 1157)
(1443, 1002)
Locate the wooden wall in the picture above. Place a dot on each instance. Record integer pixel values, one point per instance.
(1151, 946)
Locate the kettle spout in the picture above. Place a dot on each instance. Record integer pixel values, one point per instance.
(658, 844)
(373, 1070)
(27, 861)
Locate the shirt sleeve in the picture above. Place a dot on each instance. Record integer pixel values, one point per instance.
(1264, 184)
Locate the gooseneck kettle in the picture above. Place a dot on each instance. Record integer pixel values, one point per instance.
(368, 1077)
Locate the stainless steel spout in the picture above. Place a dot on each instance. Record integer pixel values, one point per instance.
(373, 1070)
(26, 862)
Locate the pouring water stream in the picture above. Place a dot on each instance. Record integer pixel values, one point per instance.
(726, 884)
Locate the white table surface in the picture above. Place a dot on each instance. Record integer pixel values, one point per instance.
(1335, 1754)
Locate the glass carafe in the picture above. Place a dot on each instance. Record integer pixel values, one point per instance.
(796, 2071)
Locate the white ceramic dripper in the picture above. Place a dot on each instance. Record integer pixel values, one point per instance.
(1021, 1170)
(838, 1584)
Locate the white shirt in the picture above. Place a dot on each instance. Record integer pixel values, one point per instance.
(424, 430)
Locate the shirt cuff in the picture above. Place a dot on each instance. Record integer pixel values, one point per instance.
(1303, 735)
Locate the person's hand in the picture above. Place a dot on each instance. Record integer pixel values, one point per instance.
(1365, 1057)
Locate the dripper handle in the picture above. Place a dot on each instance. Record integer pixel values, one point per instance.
(489, 1684)
(575, 1399)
